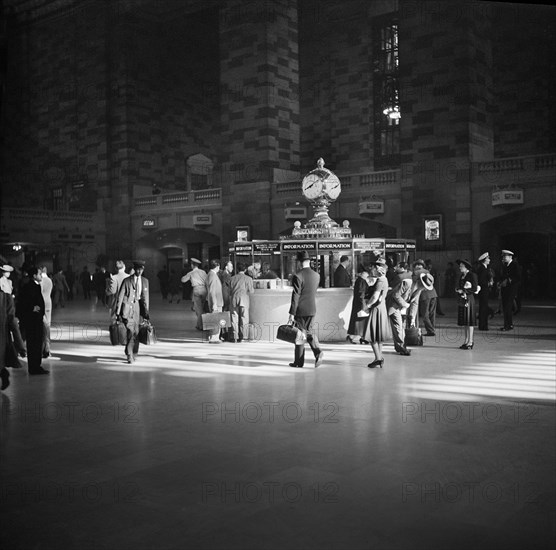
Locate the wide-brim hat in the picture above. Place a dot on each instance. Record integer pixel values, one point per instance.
(195, 261)
(507, 253)
(483, 256)
(465, 263)
(138, 264)
(7, 267)
(427, 280)
(379, 261)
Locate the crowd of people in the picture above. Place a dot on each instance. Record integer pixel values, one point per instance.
(389, 302)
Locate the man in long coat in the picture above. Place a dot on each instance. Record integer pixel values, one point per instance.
(133, 303)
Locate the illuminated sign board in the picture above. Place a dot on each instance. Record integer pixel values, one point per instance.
(500, 198)
(149, 223)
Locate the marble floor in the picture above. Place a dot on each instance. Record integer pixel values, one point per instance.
(223, 446)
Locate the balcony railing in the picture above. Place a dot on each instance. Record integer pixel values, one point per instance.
(45, 216)
(532, 163)
(205, 196)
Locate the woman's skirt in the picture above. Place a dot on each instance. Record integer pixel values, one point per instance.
(378, 329)
(466, 313)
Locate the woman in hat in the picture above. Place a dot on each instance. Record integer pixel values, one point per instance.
(378, 327)
(359, 310)
(466, 289)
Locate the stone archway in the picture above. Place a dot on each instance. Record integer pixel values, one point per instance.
(531, 234)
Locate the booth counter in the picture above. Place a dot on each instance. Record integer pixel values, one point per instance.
(270, 308)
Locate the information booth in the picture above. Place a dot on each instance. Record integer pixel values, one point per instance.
(326, 242)
(325, 256)
(271, 301)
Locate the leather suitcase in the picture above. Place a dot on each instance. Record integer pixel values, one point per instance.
(413, 337)
(147, 334)
(291, 334)
(118, 334)
(216, 321)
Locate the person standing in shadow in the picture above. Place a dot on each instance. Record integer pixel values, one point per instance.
(31, 310)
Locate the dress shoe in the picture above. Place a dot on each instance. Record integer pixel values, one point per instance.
(296, 366)
(505, 329)
(430, 333)
(318, 359)
(5, 377)
(39, 370)
(130, 359)
(376, 364)
(404, 352)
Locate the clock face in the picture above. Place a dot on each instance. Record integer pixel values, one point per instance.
(332, 187)
(311, 186)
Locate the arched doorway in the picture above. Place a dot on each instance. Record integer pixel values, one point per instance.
(531, 235)
(173, 247)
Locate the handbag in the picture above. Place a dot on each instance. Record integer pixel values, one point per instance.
(147, 334)
(118, 333)
(413, 337)
(216, 320)
(291, 334)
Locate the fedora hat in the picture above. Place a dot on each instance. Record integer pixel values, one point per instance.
(427, 280)
(465, 263)
(302, 256)
(195, 261)
(138, 264)
(483, 256)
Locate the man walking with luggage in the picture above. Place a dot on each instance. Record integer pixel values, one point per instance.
(133, 303)
(303, 309)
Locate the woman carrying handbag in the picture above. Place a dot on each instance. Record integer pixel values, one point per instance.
(359, 310)
(466, 289)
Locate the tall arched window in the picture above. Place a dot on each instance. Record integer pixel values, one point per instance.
(199, 172)
(386, 102)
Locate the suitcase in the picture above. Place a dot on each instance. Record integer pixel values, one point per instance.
(216, 321)
(413, 336)
(291, 334)
(147, 334)
(118, 334)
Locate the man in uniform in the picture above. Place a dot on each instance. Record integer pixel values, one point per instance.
(511, 276)
(484, 279)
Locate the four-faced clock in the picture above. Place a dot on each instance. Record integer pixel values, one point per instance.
(311, 186)
(332, 187)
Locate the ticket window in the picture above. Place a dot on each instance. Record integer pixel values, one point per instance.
(291, 266)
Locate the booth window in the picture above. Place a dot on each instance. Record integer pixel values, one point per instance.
(386, 102)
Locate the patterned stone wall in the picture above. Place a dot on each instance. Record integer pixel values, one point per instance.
(525, 79)
(446, 113)
(259, 105)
